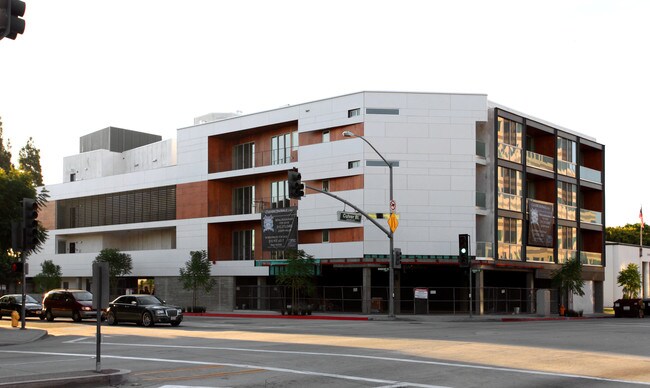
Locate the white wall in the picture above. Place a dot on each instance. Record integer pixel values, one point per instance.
(618, 257)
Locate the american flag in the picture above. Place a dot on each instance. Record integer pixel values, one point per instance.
(641, 216)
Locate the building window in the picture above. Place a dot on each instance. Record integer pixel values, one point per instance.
(509, 238)
(73, 247)
(354, 164)
(566, 201)
(382, 111)
(354, 112)
(279, 194)
(73, 177)
(326, 185)
(567, 243)
(243, 200)
(509, 134)
(243, 156)
(243, 245)
(326, 136)
(326, 235)
(148, 205)
(509, 189)
(294, 141)
(281, 149)
(566, 157)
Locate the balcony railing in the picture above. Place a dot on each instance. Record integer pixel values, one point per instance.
(510, 202)
(484, 249)
(540, 161)
(564, 255)
(566, 168)
(591, 258)
(591, 217)
(257, 206)
(480, 149)
(539, 254)
(509, 152)
(258, 159)
(509, 251)
(481, 200)
(590, 175)
(566, 212)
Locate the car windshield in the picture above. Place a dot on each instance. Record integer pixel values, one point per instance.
(83, 296)
(149, 299)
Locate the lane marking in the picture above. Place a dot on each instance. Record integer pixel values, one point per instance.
(75, 340)
(242, 366)
(177, 370)
(392, 359)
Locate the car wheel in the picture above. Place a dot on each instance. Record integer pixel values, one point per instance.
(76, 317)
(176, 323)
(111, 319)
(147, 319)
(49, 316)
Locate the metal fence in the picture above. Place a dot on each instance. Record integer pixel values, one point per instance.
(439, 300)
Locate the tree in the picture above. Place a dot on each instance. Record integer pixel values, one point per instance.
(196, 274)
(298, 274)
(628, 234)
(119, 264)
(14, 186)
(49, 278)
(5, 153)
(568, 279)
(630, 279)
(29, 160)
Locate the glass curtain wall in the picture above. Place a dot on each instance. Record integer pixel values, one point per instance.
(509, 238)
(510, 189)
(566, 157)
(509, 136)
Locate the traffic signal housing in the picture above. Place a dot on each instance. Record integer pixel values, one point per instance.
(11, 23)
(397, 257)
(17, 267)
(296, 187)
(30, 224)
(463, 250)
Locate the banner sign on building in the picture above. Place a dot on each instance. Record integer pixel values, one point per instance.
(540, 224)
(280, 229)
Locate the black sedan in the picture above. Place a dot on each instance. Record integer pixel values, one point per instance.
(13, 302)
(145, 310)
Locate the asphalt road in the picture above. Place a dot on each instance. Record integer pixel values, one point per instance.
(222, 352)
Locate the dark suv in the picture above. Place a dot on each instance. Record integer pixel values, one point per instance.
(75, 304)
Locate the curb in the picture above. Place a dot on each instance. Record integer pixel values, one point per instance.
(277, 316)
(552, 319)
(110, 377)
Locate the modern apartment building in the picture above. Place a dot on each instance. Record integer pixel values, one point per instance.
(529, 194)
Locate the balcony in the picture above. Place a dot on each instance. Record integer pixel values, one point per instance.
(484, 249)
(591, 217)
(591, 175)
(540, 254)
(591, 258)
(539, 161)
(245, 160)
(509, 202)
(566, 212)
(564, 255)
(566, 168)
(509, 251)
(509, 152)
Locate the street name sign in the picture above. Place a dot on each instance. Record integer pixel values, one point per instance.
(348, 216)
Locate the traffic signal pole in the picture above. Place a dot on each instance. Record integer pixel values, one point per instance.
(23, 278)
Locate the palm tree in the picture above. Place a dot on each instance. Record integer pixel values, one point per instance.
(630, 279)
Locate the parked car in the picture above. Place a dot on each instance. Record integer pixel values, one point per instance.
(145, 310)
(14, 302)
(75, 304)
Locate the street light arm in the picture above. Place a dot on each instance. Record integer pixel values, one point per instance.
(374, 149)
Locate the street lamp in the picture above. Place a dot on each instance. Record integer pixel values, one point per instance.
(391, 266)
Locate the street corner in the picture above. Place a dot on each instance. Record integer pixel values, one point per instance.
(15, 335)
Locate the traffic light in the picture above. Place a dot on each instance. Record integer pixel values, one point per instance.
(30, 224)
(463, 250)
(296, 187)
(10, 22)
(397, 257)
(17, 267)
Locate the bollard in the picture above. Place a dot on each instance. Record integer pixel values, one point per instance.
(15, 317)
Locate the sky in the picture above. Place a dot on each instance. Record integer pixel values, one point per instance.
(155, 65)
